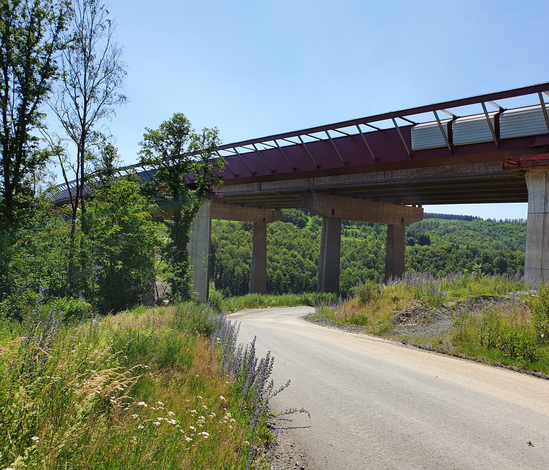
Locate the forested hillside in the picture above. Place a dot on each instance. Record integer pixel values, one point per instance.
(438, 245)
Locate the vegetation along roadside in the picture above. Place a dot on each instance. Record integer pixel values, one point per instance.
(498, 320)
(147, 388)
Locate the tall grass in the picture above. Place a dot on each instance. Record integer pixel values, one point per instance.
(513, 333)
(142, 389)
(232, 304)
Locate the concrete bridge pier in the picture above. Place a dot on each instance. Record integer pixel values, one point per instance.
(199, 245)
(396, 251)
(537, 231)
(330, 250)
(199, 250)
(259, 259)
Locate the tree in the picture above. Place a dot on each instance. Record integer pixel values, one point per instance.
(89, 89)
(122, 243)
(30, 39)
(90, 86)
(185, 170)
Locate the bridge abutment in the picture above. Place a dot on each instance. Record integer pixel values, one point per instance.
(330, 250)
(537, 231)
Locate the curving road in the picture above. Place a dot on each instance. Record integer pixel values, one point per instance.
(375, 404)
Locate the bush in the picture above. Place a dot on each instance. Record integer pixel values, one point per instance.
(73, 309)
(216, 300)
(519, 343)
(367, 292)
(540, 311)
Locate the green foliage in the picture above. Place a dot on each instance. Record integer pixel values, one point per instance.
(176, 151)
(367, 292)
(540, 310)
(232, 304)
(519, 343)
(135, 390)
(73, 309)
(31, 257)
(30, 40)
(449, 246)
(122, 242)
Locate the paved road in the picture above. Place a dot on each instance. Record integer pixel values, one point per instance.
(375, 404)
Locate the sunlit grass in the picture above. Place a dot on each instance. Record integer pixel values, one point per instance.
(509, 334)
(141, 389)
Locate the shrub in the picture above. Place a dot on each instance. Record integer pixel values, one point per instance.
(540, 311)
(518, 343)
(73, 309)
(367, 292)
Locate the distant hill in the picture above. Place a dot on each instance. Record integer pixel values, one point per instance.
(440, 244)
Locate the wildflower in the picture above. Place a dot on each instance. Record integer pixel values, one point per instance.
(160, 403)
(171, 413)
(205, 434)
(156, 423)
(140, 426)
(222, 398)
(135, 416)
(160, 419)
(192, 427)
(199, 395)
(171, 421)
(205, 407)
(194, 412)
(188, 439)
(36, 439)
(142, 403)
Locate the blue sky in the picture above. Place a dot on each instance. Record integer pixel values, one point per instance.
(255, 68)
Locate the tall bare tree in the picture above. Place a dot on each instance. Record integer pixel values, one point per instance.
(90, 87)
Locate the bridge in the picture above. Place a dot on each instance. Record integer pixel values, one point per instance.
(491, 148)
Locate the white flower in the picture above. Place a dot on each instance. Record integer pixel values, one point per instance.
(159, 419)
(160, 403)
(205, 407)
(222, 398)
(35, 439)
(171, 421)
(192, 427)
(140, 426)
(156, 423)
(142, 403)
(188, 439)
(199, 395)
(194, 412)
(171, 413)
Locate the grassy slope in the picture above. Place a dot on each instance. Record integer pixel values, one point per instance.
(514, 336)
(137, 390)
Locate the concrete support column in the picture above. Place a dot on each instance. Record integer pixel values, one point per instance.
(396, 250)
(199, 251)
(537, 229)
(259, 260)
(330, 249)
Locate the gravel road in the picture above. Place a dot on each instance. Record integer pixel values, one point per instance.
(376, 404)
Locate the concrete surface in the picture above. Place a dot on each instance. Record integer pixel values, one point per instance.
(537, 231)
